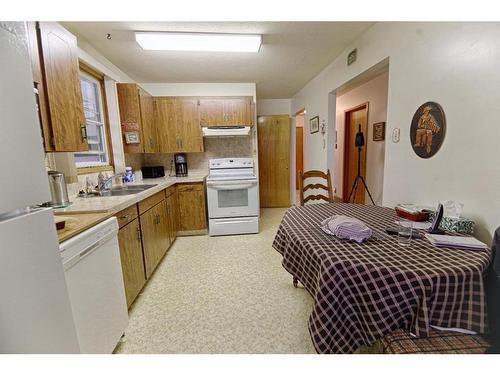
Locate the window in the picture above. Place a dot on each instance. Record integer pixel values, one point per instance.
(92, 95)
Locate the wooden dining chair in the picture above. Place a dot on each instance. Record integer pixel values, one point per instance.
(327, 186)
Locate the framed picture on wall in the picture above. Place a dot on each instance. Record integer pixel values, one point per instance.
(379, 131)
(314, 124)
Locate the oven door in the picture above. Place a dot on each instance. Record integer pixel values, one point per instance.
(237, 198)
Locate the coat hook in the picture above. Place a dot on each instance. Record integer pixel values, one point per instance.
(108, 36)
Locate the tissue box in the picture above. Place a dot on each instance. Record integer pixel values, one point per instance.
(460, 225)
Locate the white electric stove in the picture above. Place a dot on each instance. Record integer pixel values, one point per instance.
(233, 197)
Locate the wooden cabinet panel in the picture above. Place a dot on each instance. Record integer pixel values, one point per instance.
(171, 204)
(226, 111)
(130, 115)
(211, 111)
(191, 207)
(155, 236)
(238, 111)
(129, 238)
(166, 124)
(147, 120)
(177, 124)
(127, 215)
(188, 128)
(62, 94)
(151, 201)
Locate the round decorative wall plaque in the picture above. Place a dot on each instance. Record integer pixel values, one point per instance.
(428, 128)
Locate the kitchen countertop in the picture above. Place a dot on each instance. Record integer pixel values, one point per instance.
(77, 223)
(112, 205)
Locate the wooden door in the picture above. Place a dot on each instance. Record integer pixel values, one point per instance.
(61, 76)
(299, 153)
(274, 160)
(237, 111)
(155, 240)
(211, 111)
(190, 137)
(147, 120)
(166, 124)
(355, 118)
(129, 238)
(191, 207)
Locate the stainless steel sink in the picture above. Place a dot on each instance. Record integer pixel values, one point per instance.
(121, 190)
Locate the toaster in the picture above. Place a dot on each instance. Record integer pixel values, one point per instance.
(153, 172)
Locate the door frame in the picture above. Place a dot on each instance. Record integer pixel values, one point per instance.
(346, 189)
(301, 112)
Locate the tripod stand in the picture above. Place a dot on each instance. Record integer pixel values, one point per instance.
(359, 142)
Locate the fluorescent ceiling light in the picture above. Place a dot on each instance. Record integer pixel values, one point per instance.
(199, 42)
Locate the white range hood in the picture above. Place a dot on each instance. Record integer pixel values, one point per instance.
(225, 131)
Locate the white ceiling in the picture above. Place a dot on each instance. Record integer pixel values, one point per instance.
(292, 53)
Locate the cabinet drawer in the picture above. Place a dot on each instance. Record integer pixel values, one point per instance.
(151, 201)
(126, 216)
(197, 186)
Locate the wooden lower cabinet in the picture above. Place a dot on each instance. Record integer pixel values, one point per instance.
(191, 207)
(129, 238)
(171, 200)
(155, 235)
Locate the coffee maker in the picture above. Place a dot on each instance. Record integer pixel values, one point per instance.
(181, 166)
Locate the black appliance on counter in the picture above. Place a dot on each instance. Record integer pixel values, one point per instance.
(181, 166)
(153, 172)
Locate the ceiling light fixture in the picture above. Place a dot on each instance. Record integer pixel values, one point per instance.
(198, 42)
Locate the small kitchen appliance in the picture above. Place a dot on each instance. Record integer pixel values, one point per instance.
(232, 196)
(153, 172)
(58, 190)
(181, 167)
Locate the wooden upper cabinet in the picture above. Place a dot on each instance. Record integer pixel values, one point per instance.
(130, 117)
(189, 133)
(211, 111)
(147, 119)
(226, 111)
(166, 124)
(61, 105)
(238, 111)
(177, 124)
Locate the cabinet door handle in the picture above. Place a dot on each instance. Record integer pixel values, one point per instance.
(139, 237)
(83, 132)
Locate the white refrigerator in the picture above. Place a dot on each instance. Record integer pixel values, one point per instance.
(35, 311)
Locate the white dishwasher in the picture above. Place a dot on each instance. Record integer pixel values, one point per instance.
(93, 272)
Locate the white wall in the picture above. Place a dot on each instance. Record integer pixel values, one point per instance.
(200, 89)
(375, 93)
(454, 64)
(269, 107)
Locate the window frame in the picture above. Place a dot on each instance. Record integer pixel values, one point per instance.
(91, 167)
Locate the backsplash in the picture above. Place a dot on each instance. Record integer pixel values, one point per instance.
(197, 162)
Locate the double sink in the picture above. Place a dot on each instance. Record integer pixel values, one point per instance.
(121, 190)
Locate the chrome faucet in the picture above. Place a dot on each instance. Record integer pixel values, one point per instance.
(104, 183)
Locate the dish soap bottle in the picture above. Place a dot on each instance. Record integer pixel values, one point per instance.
(129, 175)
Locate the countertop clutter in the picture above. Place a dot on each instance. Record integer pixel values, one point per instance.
(83, 213)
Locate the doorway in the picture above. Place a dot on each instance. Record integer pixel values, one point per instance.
(274, 160)
(299, 149)
(356, 119)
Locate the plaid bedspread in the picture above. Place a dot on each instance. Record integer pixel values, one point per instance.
(365, 291)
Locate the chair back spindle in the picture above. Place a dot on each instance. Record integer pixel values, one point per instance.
(303, 187)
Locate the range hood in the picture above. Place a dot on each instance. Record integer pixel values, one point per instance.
(225, 131)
